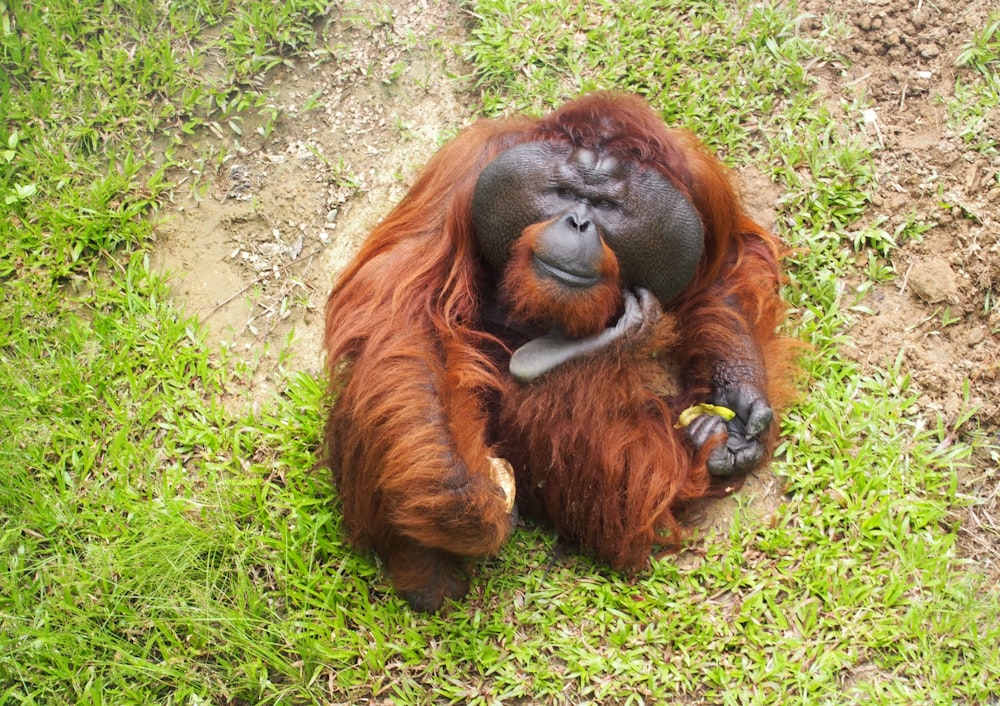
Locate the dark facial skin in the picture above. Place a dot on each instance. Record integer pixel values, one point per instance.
(589, 197)
(653, 230)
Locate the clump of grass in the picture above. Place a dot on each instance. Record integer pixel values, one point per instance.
(125, 495)
(722, 72)
(94, 96)
(972, 110)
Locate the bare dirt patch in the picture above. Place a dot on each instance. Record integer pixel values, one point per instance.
(939, 321)
(255, 255)
(939, 316)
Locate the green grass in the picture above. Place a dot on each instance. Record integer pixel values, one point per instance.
(973, 110)
(161, 547)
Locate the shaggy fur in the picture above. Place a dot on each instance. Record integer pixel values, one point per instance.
(419, 333)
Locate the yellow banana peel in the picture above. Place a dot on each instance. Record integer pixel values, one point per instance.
(695, 411)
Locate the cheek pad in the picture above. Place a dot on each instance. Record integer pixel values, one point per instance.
(512, 193)
(657, 236)
(660, 242)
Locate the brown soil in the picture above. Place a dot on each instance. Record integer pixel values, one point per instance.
(255, 256)
(939, 320)
(937, 315)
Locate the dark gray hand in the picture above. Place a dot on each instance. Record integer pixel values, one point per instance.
(743, 450)
(540, 355)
